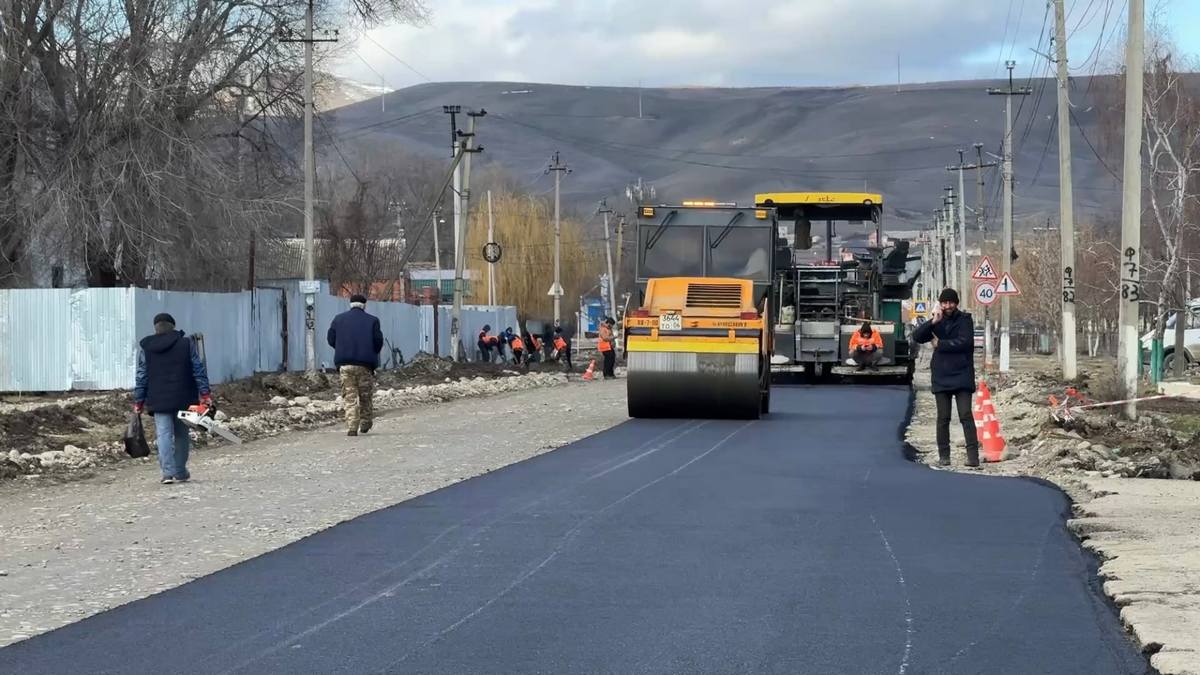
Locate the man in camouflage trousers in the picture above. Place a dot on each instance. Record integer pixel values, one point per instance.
(356, 339)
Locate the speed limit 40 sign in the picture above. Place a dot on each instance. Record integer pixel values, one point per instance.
(985, 293)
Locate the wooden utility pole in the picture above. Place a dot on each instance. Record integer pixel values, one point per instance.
(1006, 254)
(491, 265)
(1131, 207)
(310, 319)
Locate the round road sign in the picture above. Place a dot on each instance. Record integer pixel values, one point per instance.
(985, 293)
(491, 252)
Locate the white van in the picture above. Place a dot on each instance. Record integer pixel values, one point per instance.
(1191, 337)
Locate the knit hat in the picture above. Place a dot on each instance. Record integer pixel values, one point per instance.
(163, 317)
(949, 295)
(358, 298)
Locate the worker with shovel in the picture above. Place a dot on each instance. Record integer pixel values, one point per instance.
(170, 377)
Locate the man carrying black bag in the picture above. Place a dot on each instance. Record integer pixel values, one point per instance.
(170, 377)
(135, 437)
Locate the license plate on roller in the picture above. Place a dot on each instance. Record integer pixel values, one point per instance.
(670, 322)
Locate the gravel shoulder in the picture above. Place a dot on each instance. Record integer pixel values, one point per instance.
(1145, 531)
(77, 548)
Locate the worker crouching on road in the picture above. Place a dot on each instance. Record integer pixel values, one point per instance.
(356, 340)
(518, 349)
(866, 347)
(953, 370)
(607, 349)
(170, 377)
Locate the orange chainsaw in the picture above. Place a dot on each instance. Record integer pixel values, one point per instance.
(204, 418)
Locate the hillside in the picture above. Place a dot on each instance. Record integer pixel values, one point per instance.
(729, 143)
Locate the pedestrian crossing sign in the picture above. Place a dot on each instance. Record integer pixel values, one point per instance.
(985, 271)
(921, 308)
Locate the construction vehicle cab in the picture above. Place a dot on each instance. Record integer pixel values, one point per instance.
(838, 269)
(698, 342)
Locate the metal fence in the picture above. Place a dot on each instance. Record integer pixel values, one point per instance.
(62, 339)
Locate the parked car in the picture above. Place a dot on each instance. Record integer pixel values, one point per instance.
(1191, 338)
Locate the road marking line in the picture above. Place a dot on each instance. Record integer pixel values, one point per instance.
(647, 453)
(908, 614)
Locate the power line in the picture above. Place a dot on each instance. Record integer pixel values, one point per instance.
(399, 60)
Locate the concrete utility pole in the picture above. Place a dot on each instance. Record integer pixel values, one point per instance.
(460, 236)
(437, 252)
(453, 111)
(558, 169)
(491, 266)
(612, 292)
(1006, 254)
(621, 246)
(951, 216)
(1131, 206)
(310, 299)
(964, 274)
(1066, 207)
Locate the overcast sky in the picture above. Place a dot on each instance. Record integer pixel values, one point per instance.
(742, 42)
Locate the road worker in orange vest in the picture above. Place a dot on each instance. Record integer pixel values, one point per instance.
(562, 349)
(607, 347)
(866, 347)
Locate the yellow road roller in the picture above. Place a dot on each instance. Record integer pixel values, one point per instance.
(698, 345)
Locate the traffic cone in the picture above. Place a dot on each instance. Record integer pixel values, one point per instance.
(987, 425)
(590, 373)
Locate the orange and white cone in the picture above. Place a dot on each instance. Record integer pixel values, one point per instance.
(987, 426)
(590, 373)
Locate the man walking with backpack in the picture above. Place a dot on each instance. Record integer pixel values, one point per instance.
(356, 339)
(953, 372)
(170, 377)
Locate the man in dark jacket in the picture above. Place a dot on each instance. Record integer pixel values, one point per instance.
(953, 370)
(356, 340)
(170, 377)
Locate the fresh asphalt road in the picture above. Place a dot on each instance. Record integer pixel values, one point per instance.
(801, 543)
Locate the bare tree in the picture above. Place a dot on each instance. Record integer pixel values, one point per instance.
(122, 140)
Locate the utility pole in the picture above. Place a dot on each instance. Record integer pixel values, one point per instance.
(491, 265)
(453, 111)
(621, 246)
(1006, 254)
(310, 299)
(980, 216)
(460, 236)
(558, 168)
(437, 252)
(1131, 206)
(962, 228)
(1066, 206)
(612, 293)
(951, 215)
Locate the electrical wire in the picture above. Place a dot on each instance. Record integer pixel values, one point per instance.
(399, 60)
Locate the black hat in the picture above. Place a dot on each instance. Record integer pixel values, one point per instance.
(359, 297)
(949, 295)
(163, 317)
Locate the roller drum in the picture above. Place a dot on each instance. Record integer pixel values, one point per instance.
(693, 385)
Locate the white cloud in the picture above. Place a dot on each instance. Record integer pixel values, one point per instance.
(732, 42)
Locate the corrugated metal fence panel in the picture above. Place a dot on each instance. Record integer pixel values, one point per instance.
(224, 319)
(269, 324)
(35, 348)
(104, 339)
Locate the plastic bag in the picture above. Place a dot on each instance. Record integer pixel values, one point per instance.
(135, 437)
